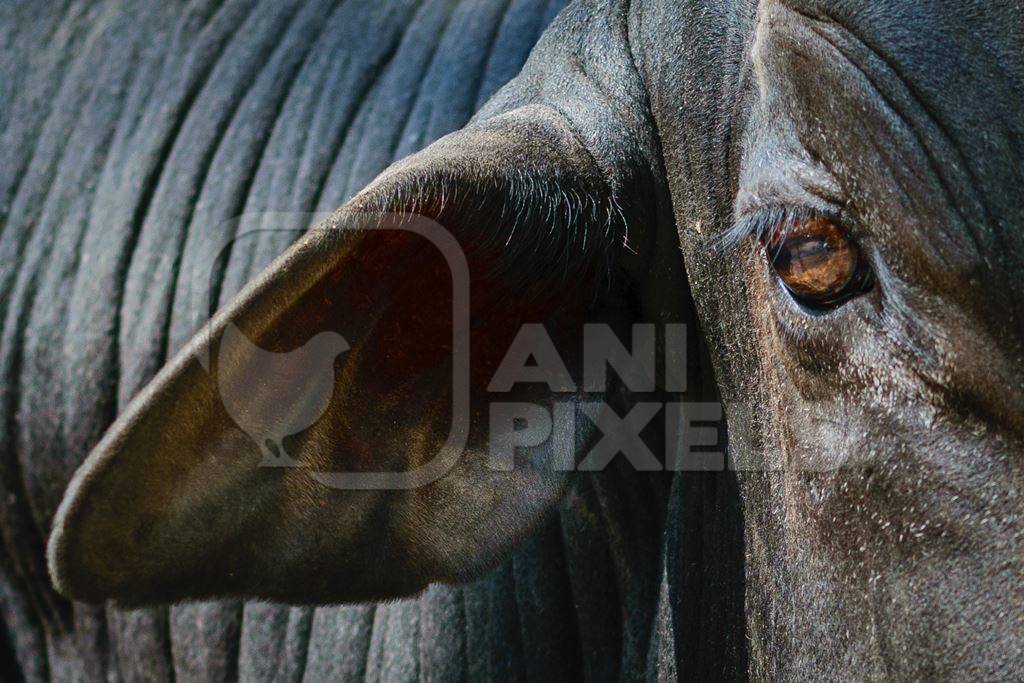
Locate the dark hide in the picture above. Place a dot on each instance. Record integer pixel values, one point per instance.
(136, 136)
(135, 130)
(884, 534)
(879, 441)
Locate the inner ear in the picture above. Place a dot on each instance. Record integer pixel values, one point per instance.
(339, 361)
(409, 306)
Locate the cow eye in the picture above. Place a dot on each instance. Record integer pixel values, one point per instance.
(816, 261)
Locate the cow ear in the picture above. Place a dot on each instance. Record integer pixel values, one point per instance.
(337, 433)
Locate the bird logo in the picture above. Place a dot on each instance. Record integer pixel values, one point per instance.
(271, 395)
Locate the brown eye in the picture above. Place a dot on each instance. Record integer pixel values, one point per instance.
(817, 263)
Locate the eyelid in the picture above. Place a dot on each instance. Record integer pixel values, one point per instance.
(793, 184)
(766, 218)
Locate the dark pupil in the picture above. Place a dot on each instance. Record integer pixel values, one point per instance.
(815, 261)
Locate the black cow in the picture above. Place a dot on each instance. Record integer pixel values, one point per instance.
(843, 178)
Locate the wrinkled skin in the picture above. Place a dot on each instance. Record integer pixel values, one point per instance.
(887, 540)
(132, 131)
(880, 440)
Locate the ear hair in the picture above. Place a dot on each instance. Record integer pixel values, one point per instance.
(537, 215)
(556, 231)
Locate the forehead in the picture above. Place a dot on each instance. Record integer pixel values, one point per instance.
(949, 74)
(963, 60)
(949, 78)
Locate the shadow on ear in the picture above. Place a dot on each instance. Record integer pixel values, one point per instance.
(367, 349)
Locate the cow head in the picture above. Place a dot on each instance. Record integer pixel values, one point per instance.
(844, 179)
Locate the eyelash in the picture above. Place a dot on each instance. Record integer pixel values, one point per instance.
(759, 223)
